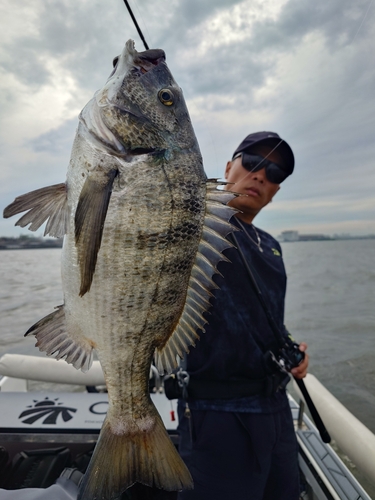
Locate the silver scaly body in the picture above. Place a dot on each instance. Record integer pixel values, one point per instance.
(144, 231)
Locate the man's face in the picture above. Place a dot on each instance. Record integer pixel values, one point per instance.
(255, 185)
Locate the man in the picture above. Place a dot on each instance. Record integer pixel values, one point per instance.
(236, 432)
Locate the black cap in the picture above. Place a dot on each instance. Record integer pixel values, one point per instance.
(274, 141)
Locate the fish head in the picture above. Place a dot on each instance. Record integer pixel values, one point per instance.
(142, 106)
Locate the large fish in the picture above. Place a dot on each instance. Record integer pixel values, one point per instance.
(144, 230)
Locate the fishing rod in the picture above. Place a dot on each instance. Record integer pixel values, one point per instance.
(136, 24)
(326, 438)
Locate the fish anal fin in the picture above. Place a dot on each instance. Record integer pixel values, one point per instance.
(89, 223)
(48, 203)
(54, 340)
(212, 244)
(144, 455)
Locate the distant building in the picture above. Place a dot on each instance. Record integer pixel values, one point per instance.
(296, 236)
(289, 236)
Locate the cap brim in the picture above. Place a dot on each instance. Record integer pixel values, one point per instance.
(284, 150)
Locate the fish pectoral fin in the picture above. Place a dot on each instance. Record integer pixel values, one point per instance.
(53, 339)
(48, 203)
(122, 458)
(89, 223)
(211, 245)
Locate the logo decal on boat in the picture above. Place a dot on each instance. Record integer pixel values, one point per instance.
(49, 409)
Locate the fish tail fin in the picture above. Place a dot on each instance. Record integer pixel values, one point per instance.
(120, 460)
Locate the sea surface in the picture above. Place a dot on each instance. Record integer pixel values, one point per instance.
(330, 305)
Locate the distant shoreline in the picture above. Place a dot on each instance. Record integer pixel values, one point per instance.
(37, 243)
(293, 235)
(329, 238)
(28, 243)
(31, 247)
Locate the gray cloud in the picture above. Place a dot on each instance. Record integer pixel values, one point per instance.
(78, 34)
(56, 141)
(304, 73)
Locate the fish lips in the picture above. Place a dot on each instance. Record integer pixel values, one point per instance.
(146, 60)
(131, 59)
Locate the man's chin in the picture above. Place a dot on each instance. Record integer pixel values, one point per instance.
(247, 203)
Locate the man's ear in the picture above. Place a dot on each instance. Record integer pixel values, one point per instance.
(227, 169)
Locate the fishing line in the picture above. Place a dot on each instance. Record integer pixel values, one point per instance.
(360, 26)
(142, 19)
(136, 24)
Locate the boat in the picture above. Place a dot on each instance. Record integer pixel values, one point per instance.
(47, 436)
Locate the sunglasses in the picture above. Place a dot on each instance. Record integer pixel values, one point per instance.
(253, 163)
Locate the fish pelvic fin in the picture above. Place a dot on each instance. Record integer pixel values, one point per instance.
(48, 203)
(53, 339)
(89, 223)
(211, 245)
(145, 456)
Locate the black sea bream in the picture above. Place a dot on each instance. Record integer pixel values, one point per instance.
(143, 232)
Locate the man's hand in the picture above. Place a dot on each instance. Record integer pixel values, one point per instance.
(300, 371)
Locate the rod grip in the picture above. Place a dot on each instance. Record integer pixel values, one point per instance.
(326, 438)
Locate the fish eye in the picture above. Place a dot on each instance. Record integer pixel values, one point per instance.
(166, 97)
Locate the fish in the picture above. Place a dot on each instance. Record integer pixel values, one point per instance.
(144, 230)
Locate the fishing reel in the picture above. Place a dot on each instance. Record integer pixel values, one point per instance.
(289, 356)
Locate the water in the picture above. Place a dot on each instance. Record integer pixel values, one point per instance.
(330, 305)
(30, 289)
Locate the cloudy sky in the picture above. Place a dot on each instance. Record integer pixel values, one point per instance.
(300, 68)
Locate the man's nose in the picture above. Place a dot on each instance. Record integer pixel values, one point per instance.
(259, 175)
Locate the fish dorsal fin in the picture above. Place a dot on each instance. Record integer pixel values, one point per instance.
(89, 223)
(212, 243)
(48, 203)
(53, 338)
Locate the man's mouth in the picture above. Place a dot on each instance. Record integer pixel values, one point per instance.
(253, 191)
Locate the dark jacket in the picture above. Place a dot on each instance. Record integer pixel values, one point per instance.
(238, 329)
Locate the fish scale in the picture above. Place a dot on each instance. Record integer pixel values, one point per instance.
(143, 233)
(133, 376)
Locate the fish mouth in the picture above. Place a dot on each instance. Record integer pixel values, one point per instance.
(128, 61)
(141, 61)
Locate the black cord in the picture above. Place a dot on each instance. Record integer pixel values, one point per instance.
(136, 24)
